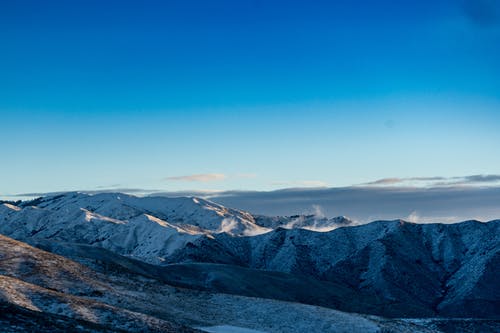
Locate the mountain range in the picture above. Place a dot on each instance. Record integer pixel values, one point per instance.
(115, 262)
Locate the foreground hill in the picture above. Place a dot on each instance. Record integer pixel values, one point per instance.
(40, 291)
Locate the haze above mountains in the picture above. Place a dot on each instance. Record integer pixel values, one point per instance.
(456, 199)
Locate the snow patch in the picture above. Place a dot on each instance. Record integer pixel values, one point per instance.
(15, 208)
(89, 216)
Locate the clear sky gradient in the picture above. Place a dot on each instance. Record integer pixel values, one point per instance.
(248, 95)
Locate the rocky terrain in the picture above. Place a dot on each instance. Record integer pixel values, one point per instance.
(114, 262)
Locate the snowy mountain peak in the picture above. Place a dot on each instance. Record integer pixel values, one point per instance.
(148, 228)
(145, 227)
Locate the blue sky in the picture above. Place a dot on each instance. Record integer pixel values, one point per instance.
(246, 95)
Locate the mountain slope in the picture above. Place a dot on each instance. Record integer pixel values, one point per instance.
(114, 299)
(15, 319)
(418, 269)
(40, 281)
(146, 228)
(149, 229)
(406, 269)
(228, 279)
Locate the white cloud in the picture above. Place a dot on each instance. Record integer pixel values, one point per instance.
(386, 181)
(301, 183)
(368, 203)
(202, 177)
(437, 181)
(318, 211)
(210, 177)
(413, 217)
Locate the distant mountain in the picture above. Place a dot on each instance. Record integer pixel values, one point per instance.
(150, 228)
(388, 268)
(417, 269)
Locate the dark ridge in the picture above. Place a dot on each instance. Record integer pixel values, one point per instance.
(15, 203)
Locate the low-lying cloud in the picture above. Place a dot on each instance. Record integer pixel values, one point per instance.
(437, 181)
(444, 199)
(301, 183)
(210, 177)
(202, 177)
(474, 179)
(364, 204)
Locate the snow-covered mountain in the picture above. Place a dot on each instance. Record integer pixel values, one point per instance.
(146, 228)
(44, 292)
(149, 228)
(418, 269)
(388, 268)
(308, 222)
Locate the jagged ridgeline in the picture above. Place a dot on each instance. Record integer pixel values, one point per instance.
(112, 247)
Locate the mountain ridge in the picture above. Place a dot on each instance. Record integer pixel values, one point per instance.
(419, 270)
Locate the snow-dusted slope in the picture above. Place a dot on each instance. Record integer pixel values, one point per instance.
(34, 283)
(413, 269)
(146, 228)
(42, 282)
(416, 269)
(149, 228)
(197, 214)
